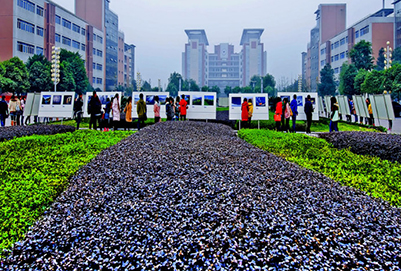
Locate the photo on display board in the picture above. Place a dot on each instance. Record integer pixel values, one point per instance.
(46, 99)
(67, 100)
(197, 100)
(103, 98)
(260, 101)
(150, 99)
(236, 101)
(313, 101)
(300, 101)
(209, 100)
(187, 98)
(57, 99)
(162, 99)
(283, 97)
(136, 99)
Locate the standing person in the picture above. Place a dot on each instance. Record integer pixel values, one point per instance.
(250, 113)
(19, 110)
(334, 117)
(141, 111)
(169, 108)
(183, 108)
(177, 108)
(12, 108)
(23, 100)
(278, 113)
(3, 111)
(371, 118)
(95, 111)
(107, 109)
(308, 112)
(156, 109)
(294, 110)
(78, 104)
(286, 115)
(244, 113)
(128, 113)
(116, 111)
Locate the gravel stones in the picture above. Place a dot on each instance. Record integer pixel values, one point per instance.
(8, 133)
(387, 147)
(193, 196)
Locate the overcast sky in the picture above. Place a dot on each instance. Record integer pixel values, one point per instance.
(157, 27)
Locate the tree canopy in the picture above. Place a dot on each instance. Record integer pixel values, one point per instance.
(327, 85)
(361, 55)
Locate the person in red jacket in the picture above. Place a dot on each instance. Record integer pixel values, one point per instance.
(279, 113)
(183, 108)
(245, 112)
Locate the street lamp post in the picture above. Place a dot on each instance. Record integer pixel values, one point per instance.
(55, 66)
(388, 55)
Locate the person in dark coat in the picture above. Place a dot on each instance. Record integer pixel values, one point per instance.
(3, 111)
(95, 111)
(308, 112)
(78, 104)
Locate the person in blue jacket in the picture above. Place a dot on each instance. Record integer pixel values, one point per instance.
(294, 109)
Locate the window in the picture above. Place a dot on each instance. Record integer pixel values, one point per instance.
(332, 46)
(66, 24)
(100, 39)
(58, 19)
(94, 80)
(342, 41)
(336, 57)
(99, 81)
(94, 37)
(94, 51)
(76, 44)
(356, 34)
(28, 5)
(25, 48)
(332, 59)
(94, 65)
(83, 31)
(336, 70)
(39, 50)
(39, 31)
(99, 67)
(364, 30)
(58, 37)
(39, 11)
(66, 41)
(337, 44)
(83, 47)
(342, 55)
(25, 26)
(76, 28)
(99, 53)
(322, 63)
(323, 51)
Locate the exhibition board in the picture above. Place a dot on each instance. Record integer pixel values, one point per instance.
(322, 108)
(149, 98)
(201, 105)
(382, 106)
(32, 104)
(102, 97)
(301, 98)
(327, 102)
(343, 105)
(360, 106)
(56, 104)
(260, 103)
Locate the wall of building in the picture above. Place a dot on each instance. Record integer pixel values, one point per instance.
(91, 11)
(333, 20)
(120, 59)
(6, 29)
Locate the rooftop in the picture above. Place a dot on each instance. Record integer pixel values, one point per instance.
(248, 34)
(197, 34)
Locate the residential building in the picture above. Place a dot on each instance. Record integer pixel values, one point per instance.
(129, 60)
(397, 30)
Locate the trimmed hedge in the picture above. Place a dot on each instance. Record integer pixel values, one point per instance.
(7, 133)
(36, 169)
(379, 178)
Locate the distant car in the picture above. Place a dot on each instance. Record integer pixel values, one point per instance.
(397, 109)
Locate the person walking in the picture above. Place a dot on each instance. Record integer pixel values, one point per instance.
(177, 108)
(3, 111)
(23, 101)
(244, 113)
(278, 113)
(370, 111)
(308, 112)
(294, 110)
(170, 108)
(115, 107)
(286, 115)
(107, 109)
(78, 104)
(13, 107)
(183, 108)
(95, 111)
(334, 116)
(141, 111)
(156, 109)
(250, 113)
(128, 113)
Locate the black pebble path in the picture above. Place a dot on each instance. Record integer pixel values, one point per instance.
(193, 196)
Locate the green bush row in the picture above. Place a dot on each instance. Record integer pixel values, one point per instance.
(379, 178)
(36, 169)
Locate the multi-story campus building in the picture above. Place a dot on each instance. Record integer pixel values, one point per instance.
(31, 27)
(331, 40)
(223, 67)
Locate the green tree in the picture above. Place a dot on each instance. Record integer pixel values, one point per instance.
(78, 71)
(347, 79)
(359, 79)
(193, 86)
(380, 60)
(237, 90)
(227, 90)
(74, 68)
(37, 58)
(397, 56)
(268, 80)
(172, 89)
(5, 83)
(247, 89)
(15, 70)
(146, 86)
(67, 82)
(215, 89)
(40, 77)
(361, 55)
(205, 89)
(327, 85)
(374, 82)
(174, 82)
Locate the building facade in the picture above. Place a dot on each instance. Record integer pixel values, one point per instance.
(223, 67)
(397, 30)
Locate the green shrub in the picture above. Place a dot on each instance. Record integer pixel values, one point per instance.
(379, 178)
(36, 169)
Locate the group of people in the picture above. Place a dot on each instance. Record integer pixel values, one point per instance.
(14, 109)
(175, 110)
(246, 113)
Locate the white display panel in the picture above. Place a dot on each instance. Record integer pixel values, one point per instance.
(360, 106)
(328, 105)
(260, 102)
(56, 104)
(32, 104)
(102, 96)
(149, 97)
(382, 107)
(301, 98)
(343, 105)
(201, 105)
(322, 108)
